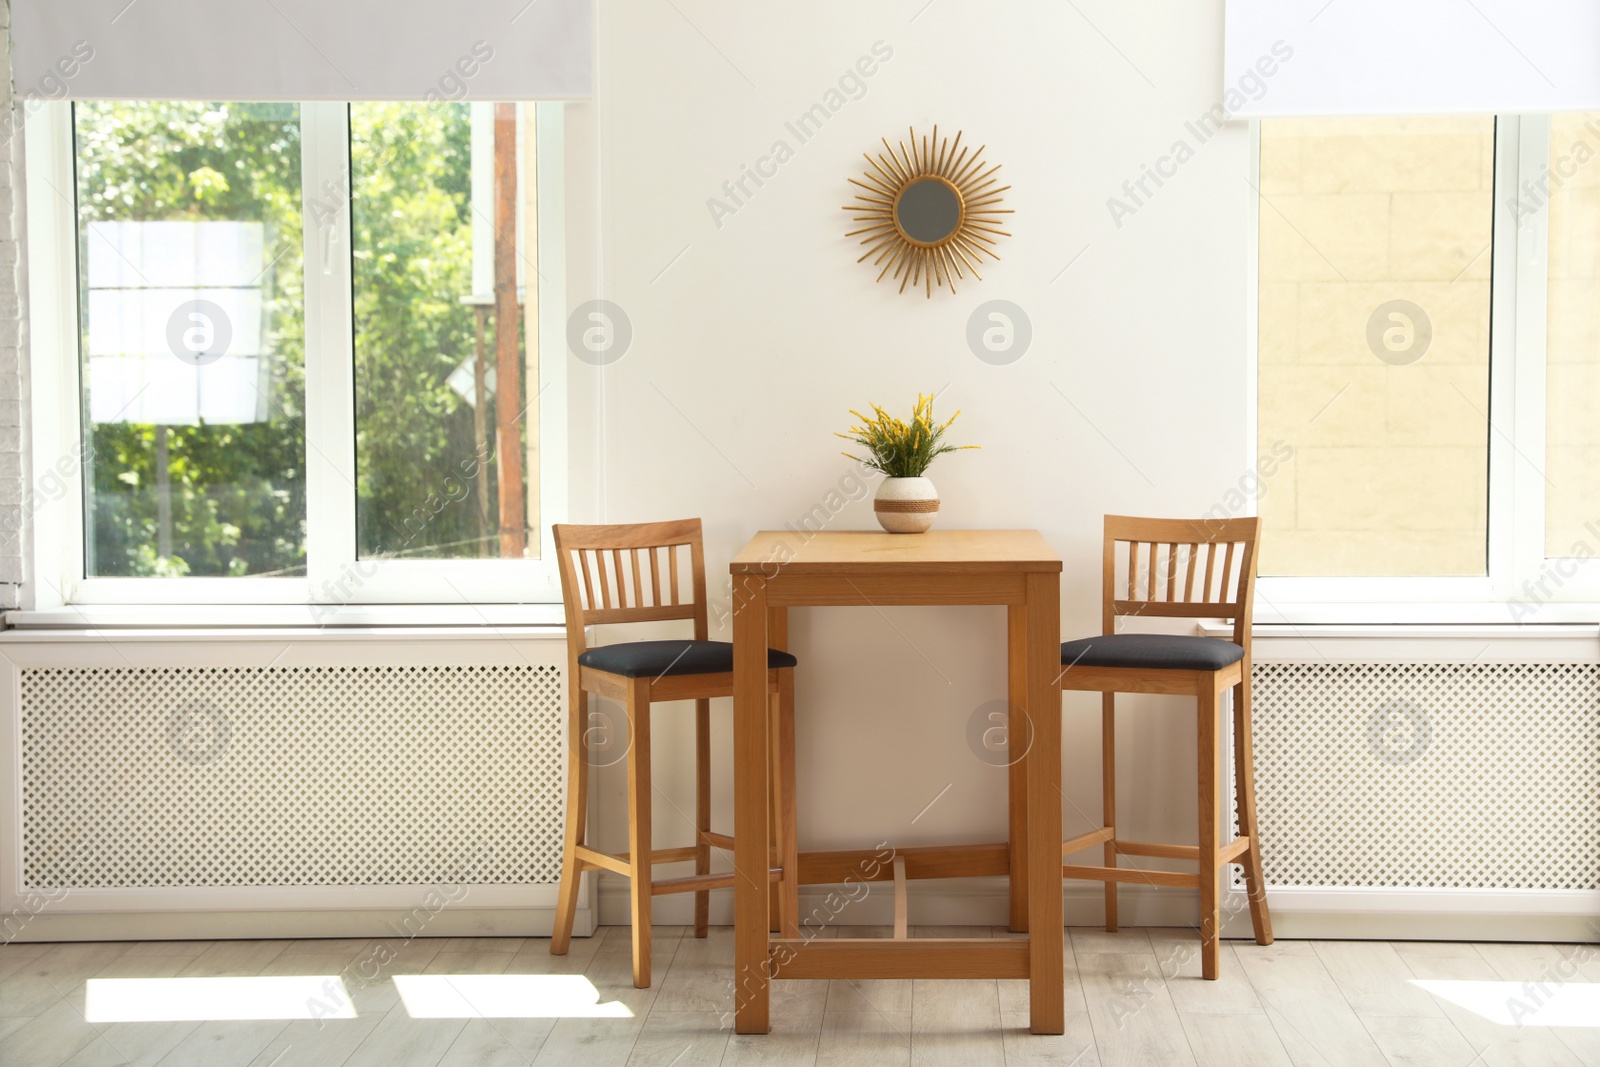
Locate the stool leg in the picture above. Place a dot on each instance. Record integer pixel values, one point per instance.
(1108, 796)
(774, 837)
(577, 821)
(1210, 845)
(702, 811)
(639, 844)
(785, 805)
(1245, 784)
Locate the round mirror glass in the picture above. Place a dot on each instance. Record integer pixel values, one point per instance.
(929, 210)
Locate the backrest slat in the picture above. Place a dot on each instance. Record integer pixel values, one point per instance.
(605, 582)
(578, 548)
(622, 584)
(588, 580)
(1224, 592)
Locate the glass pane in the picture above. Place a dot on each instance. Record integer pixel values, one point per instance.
(1572, 367)
(428, 181)
(1374, 345)
(190, 296)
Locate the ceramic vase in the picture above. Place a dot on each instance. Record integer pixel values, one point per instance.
(906, 505)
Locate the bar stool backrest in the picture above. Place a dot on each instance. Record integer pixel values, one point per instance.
(643, 572)
(1182, 568)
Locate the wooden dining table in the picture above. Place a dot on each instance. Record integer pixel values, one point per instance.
(779, 570)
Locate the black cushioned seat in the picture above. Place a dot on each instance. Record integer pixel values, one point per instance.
(638, 659)
(1161, 651)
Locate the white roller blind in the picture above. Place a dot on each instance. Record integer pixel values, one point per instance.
(1411, 57)
(302, 49)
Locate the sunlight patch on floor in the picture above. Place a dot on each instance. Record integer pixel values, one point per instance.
(505, 996)
(140, 1000)
(1575, 1004)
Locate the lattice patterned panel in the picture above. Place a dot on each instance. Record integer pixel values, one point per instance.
(1435, 775)
(278, 776)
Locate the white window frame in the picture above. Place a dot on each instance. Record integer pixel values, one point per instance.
(1516, 517)
(335, 577)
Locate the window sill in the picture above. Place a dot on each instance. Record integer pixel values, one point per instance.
(1509, 616)
(1408, 631)
(1420, 642)
(467, 618)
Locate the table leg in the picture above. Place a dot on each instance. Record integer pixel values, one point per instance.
(1021, 737)
(1041, 627)
(751, 790)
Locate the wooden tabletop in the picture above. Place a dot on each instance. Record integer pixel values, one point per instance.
(851, 551)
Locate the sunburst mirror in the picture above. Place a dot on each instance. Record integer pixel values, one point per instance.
(931, 212)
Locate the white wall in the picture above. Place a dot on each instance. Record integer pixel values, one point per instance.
(753, 338)
(14, 499)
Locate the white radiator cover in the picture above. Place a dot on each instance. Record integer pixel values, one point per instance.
(291, 776)
(302, 779)
(273, 784)
(1448, 776)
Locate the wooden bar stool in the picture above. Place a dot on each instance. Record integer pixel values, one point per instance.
(1208, 570)
(626, 574)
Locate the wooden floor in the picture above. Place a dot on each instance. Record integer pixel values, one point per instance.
(1132, 998)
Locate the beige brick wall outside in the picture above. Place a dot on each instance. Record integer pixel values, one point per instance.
(1389, 473)
(1572, 347)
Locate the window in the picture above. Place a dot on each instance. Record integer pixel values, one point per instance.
(192, 294)
(274, 343)
(1428, 366)
(1374, 344)
(424, 327)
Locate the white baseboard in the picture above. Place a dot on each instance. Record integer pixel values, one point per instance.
(282, 912)
(1337, 913)
(276, 925)
(1340, 913)
(1432, 914)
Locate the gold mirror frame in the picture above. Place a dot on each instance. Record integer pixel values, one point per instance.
(922, 262)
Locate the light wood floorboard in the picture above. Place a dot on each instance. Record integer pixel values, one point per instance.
(1134, 997)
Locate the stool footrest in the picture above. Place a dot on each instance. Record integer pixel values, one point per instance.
(1083, 841)
(1168, 852)
(665, 855)
(1234, 849)
(695, 883)
(588, 857)
(622, 862)
(1129, 874)
(1228, 853)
